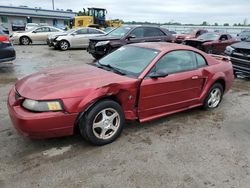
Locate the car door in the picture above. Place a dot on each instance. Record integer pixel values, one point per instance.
(152, 34)
(40, 34)
(136, 35)
(180, 89)
(78, 38)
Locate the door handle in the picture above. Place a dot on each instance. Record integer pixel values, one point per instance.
(195, 77)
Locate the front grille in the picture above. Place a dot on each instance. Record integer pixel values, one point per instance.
(242, 51)
(92, 45)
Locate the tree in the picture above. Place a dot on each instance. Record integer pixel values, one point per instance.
(245, 22)
(216, 24)
(226, 24)
(205, 23)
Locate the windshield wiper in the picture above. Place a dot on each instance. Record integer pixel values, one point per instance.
(114, 69)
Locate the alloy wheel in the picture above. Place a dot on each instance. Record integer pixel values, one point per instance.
(106, 123)
(214, 98)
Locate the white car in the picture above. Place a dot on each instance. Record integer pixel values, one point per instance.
(74, 38)
(34, 35)
(31, 26)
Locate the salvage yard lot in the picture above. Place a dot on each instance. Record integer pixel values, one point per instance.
(195, 148)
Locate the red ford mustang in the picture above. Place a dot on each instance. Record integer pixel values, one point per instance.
(136, 82)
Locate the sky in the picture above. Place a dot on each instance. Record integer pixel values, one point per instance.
(160, 11)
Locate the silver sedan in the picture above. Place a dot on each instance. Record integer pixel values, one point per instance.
(34, 35)
(74, 38)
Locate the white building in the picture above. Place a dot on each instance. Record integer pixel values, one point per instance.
(10, 15)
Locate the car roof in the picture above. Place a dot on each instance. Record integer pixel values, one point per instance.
(163, 46)
(134, 26)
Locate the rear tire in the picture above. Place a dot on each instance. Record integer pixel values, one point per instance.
(214, 97)
(102, 123)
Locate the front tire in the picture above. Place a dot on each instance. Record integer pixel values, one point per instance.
(102, 123)
(214, 97)
(64, 45)
(25, 40)
(96, 56)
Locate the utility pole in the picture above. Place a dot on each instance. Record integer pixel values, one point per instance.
(53, 4)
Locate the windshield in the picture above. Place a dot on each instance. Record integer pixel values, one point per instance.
(119, 32)
(130, 60)
(70, 31)
(245, 34)
(209, 36)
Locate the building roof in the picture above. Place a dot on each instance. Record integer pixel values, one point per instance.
(36, 12)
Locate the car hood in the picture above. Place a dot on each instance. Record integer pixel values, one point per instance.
(52, 36)
(197, 40)
(243, 45)
(104, 38)
(184, 36)
(67, 82)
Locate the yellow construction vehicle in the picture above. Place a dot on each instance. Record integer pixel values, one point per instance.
(93, 17)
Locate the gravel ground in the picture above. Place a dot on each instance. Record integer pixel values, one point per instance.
(195, 148)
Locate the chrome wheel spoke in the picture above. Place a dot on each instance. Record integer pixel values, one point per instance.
(102, 134)
(113, 116)
(98, 124)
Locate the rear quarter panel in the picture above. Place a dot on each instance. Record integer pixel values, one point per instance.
(217, 70)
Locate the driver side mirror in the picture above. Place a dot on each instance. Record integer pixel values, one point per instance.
(131, 37)
(34, 31)
(73, 34)
(158, 74)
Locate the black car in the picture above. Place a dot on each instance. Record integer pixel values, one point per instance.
(4, 29)
(7, 52)
(100, 46)
(18, 26)
(240, 57)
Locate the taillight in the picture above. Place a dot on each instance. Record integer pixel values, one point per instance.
(4, 39)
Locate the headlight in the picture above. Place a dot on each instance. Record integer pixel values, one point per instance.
(229, 49)
(102, 43)
(42, 106)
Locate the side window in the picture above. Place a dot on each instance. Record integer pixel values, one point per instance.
(201, 62)
(198, 33)
(152, 32)
(177, 61)
(43, 29)
(223, 37)
(53, 30)
(229, 37)
(138, 32)
(81, 31)
(94, 31)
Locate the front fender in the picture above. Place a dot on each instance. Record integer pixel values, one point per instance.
(124, 94)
